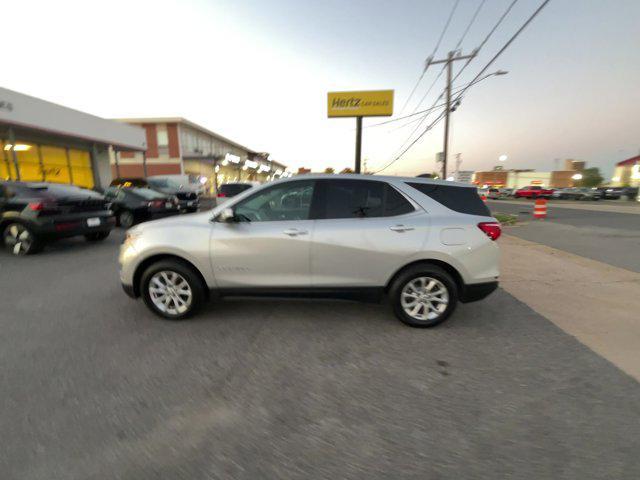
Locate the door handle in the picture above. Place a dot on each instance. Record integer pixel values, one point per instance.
(292, 232)
(401, 228)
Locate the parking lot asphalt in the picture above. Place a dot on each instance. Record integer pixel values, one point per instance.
(608, 237)
(94, 386)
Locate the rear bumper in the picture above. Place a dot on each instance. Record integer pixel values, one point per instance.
(71, 226)
(477, 291)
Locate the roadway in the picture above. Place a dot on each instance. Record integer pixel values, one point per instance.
(95, 386)
(606, 236)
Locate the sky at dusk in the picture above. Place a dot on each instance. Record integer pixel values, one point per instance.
(258, 71)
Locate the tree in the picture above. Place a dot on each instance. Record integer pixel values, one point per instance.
(329, 170)
(347, 170)
(591, 177)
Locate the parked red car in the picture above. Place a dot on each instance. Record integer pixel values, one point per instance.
(533, 191)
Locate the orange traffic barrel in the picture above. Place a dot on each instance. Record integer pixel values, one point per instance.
(540, 209)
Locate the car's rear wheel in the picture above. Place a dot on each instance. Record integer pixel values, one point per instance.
(172, 289)
(20, 240)
(96, 236)
(424, 296)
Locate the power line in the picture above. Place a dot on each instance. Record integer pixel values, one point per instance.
(484, 69)
(435, 49)
(509, 42)
(477, 50)
(431, 125)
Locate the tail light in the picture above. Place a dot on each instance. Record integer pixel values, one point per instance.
(221, 195)
(41, 206)
(493, 230)
(156, 203)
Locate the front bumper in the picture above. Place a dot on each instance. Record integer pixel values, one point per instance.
(477, 291)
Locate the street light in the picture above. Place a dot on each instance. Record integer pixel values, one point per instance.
(577, 176)
(503, 158)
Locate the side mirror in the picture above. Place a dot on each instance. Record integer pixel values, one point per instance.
(227, 216)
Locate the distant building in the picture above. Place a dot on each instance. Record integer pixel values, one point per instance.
(523, 178)
(627, 173)
(178, 146)
(44, 142)
(574, 165)
(464, 176)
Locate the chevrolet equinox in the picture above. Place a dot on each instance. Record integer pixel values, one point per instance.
(423, 244)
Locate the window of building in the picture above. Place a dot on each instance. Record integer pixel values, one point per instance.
(163, 138)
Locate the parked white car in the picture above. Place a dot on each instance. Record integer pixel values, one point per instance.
(424, 244)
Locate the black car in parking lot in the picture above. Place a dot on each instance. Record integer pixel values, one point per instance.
(133, 205)
(32, 214)
(187, 199)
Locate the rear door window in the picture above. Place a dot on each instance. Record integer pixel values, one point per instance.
(459, 199)
(360, 199)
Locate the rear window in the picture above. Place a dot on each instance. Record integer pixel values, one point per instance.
(147, 193)
(458, 199)
(53, 190)
(231, 189)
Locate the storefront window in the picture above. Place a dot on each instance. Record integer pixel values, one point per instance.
(81, 171)
(28, 161)
(7, 169)
(56, 168)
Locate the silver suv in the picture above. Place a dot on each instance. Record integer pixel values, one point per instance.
(423, 244)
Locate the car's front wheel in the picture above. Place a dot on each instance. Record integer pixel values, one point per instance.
(424, 296)
(19, 239)
(172, 289)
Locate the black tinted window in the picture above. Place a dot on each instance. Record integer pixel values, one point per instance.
(232, 189)
(360, 198)
(459, 199)
(395, 203)
(352, 198)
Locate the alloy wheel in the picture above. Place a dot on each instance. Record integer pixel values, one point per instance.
(424, 298)
(18, 239)
(170, 292)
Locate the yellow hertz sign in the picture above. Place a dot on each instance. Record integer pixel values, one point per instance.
(375, 103)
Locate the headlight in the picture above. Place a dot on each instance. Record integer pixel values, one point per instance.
(130, 237)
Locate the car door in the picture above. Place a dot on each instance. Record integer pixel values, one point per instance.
(366, 230)
(267, 246)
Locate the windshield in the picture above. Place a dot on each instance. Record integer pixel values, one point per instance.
(165, 183)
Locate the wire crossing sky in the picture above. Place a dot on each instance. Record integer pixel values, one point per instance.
(258, 71)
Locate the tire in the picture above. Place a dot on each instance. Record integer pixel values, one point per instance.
(96, 236)
(20, 240)
(126, 219)
(175, 274)
(410, 281)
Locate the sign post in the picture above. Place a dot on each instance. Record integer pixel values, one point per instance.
(374, 103)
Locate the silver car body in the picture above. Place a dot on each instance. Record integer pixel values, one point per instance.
(350, 252)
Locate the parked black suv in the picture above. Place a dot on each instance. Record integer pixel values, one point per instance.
(133, 205)
(187, 200)
(32, 214)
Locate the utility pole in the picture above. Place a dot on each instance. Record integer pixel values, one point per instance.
(451, 57)
(358, 142)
